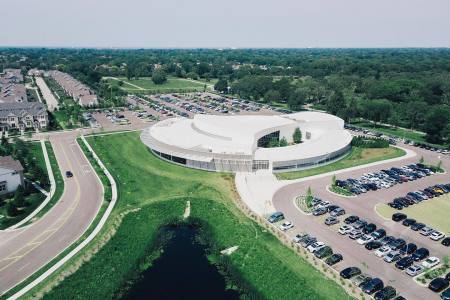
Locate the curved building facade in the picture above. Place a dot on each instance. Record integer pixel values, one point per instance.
(239, 143)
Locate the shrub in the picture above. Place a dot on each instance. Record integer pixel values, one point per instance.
(368, 142)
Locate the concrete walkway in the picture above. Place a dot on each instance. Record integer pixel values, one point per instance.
(51, 101)
(257, 189)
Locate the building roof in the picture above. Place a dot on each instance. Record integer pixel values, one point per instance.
(21, 109)
(239, 134)
(7, 162)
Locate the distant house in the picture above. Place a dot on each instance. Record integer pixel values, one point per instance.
(21, 116)
(11, 175)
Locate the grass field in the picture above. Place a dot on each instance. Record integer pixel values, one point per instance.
(358, 156)
(432, 212)
(145, 84)
(400, 132)
(152, 192)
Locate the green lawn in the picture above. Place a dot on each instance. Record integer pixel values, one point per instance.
(34, 199)
(173, 84)
(153, 192)
(432, 212)
(400, 132)
(358, 156)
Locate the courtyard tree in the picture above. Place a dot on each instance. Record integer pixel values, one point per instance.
(297, 136)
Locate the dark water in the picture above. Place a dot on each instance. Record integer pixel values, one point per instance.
(182, 272)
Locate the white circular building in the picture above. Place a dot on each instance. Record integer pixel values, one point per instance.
(239, 143)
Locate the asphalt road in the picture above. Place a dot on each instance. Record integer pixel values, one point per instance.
(363, 206)
(23, 251)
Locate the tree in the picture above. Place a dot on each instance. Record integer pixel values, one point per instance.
(192, 75)
(272, 96)
(309, 197)
(333, 179)
(283, 142)
(11, 209)
(159, 76)
(297, 99)
(335, 103)
(19, 197)
(221, 85)
(436, 123)
(297, 136)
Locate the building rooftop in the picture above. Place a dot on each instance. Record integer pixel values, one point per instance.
(7, 162)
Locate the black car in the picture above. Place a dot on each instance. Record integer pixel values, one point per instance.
(420, 254)
(369, 228)
(409, 222)
(324, 252)
(340, 183)
(399, 298)
(373, 286)
(408, 249)
(373, 245)
(351, 219)
(386, 293)
(330, 208)
(438, 284)
(447, 277)
(404, 263)
(69, 174)
(417, 226)
(446, 241)
(397, 217)
(350, 272)
(379, 233)
(446, 295)
(397, 244)
(334, 259)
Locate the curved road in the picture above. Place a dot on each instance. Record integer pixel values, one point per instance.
(363, 206)
(23, 251)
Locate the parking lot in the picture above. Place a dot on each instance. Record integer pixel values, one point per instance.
(363, 206)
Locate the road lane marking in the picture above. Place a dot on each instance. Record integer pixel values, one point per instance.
(34, 243)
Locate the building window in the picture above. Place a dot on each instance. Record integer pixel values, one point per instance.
(264, 141)
(3, 186)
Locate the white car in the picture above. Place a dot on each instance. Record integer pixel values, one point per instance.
(345, 229)
(364, 239)
(426, 231)
(298, 238)
(380, 252)
(315, 246)
(414, 270)
(431, 262)
(286, 225)
(436, 235)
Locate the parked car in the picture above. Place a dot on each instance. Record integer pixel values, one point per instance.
(446, 295)
(323, 252)
(426, 231)
(446, 241)
(408, 222)
(275, 217)
(417, 226)
(350, 272)
(397, 244)
(379, 233)
(364, 239)
(381, 252)
(315, 246)
(436, 235)
(331, 221)
(354, 234)
(392, 256)
(373, 245)
(361, 279)
(420, 254)
(431, 262)
(369, 228)
(408, 249)
(286, 226)
(373, 286)
(334, 259)
(414, 270)
(438, 284)
(319, 211)
(345, 229)
(397, 217)
(298, 237)
(386, 293)
(351, 219)
(404, 262)
(337, 212)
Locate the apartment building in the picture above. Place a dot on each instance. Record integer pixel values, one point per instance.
(11, 87)
(80, 93)
(22, 115)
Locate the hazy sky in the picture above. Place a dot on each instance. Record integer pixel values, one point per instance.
(226, 23)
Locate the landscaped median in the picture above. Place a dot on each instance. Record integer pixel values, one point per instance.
(357, 157)
(153, 193)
